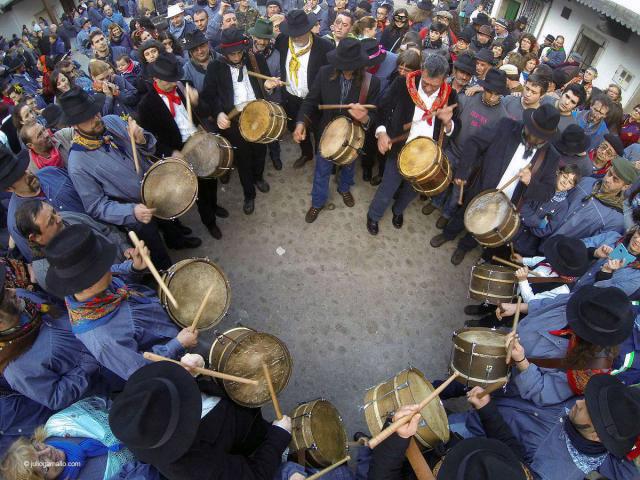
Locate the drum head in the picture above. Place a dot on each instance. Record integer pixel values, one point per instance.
(484, 337)
(170, 187)
(334, 137)
(189, 283)
(434, 413)
(486, 212)
(328, 431)
(255, 120)
(203, 153)
(417, 156)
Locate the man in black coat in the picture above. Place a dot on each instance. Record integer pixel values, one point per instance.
(301, 55)
(497, 153)
(343, 82)
(422, 103)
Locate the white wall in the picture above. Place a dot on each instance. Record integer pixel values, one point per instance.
(22, 12)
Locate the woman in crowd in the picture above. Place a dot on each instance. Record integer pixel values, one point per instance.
(365, 28)
(121, 96)
(119, 38)
(529, 63)
(392, 36)
(527, 44)
(630, 130)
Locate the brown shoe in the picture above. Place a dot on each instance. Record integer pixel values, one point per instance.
(300, 161)
(442, 222)
(438, 241)
(348, 199)
(312, 214)
(428, 209)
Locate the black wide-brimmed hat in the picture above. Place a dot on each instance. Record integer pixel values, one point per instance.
(166, 67)
(14, 62)
(233, 40)
(566, 255)
(78, 106)
(375, 53)
(481, 459)
(600, 315)
(348, 55)
(12, 168)
(571, 141)
(482, 19)
(615, 142)
(542, 122)
(485, 55)
(194, 40)
(297, 23)
(495, 81)
(614, 410)
(425, 5)
(465, 63)
(52, 115)
(78, 258)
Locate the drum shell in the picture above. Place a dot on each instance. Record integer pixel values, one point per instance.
(303, 436)
(190, 197)
(478, 364)
(354, 136)
(500, 235)
(435, 178)
(275, 127)
(493, 284)
(225, 162)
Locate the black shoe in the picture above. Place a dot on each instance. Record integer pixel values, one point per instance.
(249, 206)
(182, 228)
(299, 163)
(458, 256)
(358, 435)
(442, 222)
(366, 174)
(221, 212)
(481, 309)
(377, 180)
(214, 231)
(262, 185)
(438, 241)
(397, 220)
(277, 163)
(372, 226)
(184, 243)
(226, 177)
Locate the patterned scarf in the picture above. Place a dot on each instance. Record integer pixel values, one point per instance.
(172, 96)
(613, 200)
(441, 101)
(294, 63)
(87, 142)
(16, 340)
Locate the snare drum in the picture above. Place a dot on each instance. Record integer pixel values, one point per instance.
(425, 166)
(241, 351)
(188, 280)
(171, 187)
(491, 218)
(341, 141)
(317, 428)
(479, 356)
(210, 155)
(407, 388)
(493, 283)
(262, 121)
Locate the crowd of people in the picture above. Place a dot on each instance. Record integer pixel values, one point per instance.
(501, 110)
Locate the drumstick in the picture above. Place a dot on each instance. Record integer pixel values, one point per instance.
(233, 113)
(418, 462)
(513, 179)
(514, 265)
(196, 319)
(136, 242)
(391, 429)
(329, 468)
(337, 107)
(203, 371)
(265, 77)
(492, 388)
(134, 151)
(516, 318)
(272, 392)
(189, 112)
(461, 194)
(399, 138)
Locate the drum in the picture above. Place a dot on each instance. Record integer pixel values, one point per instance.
(317, 428)
(210, 155)
(425, 166)
(406, 388)
(342, 140)
(188, 280)
(479, 355)
(262, 121)
(493, 283)
(491, 218)
(171, 187)
(241, 351)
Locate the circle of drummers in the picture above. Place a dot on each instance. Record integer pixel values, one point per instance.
(99, 328)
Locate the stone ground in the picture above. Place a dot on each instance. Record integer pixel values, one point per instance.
(353, 309)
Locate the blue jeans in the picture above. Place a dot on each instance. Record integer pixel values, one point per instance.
(322, 177)
(391, 180)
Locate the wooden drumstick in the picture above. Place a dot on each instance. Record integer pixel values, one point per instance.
(516, 319)
(272, 392)
(418, 462)
(399, 138)
(264, 77)
(513, 265)
(203, 371)
(460, 196)
(513, 179)
(136, 242)
(233, 113)
(492, 388)
(134, 151)
(189, 111)
(337, 107)
(391, 429)
(200, 310)
(329, 468)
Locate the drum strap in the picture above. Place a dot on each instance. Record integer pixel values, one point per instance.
(537, 160)
(364, 88)
(598, 363)
(254, 67)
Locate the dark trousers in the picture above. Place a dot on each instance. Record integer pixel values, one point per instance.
(207, 200)
(149, 233)
(274, 150)
(248, 158)
(292, 107)
(371, 154)
(455, 226)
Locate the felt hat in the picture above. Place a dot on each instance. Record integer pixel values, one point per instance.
(522, 19)
(52, 114)
(543, 121)
(273, 2)
(166, 67)
(194, 40)
(375, 52)
(625, 170)
(571, 141)
(232, 40)
(466, 63)
(444, 14)
(485, 30)
(263, 28)
(502, 22)
(550, 38)
(466, 36)
(495, 81)
(12, 168)
(482, 19)
(567, 256)
(174, 10)
(485, 55)
(14, 62)
(615, 142)
(348, 55)
(511, 71)
(84, 21)
(297, 23)
(426, 5)
(78, 106)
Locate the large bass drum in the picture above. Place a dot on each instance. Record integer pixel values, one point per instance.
(493, 284)
(210, 155)
(479, 355)
(171, 187)
(491, 218)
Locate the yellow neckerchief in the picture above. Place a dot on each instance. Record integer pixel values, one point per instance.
(294, 63)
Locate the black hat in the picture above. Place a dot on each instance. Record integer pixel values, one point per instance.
(559, 77)
(522, 19)
(482, 19)
(83, 21)
(195, 39)
(233, 40)
(486, 55)
(78, 106)
(12, 168)
(14, 62)
(614, 409)
(466, 36)
(78, 258)
(600, 315)
(297, 23)
(615, 142)
(481, 459)
(364, 5)
(425, 5)
(166, 67)
(52, 114)
(566, 255)
(274, 2)
(495, 81)
(157, 415)
(348, 55)
(550, 38)
(543, 121)
(466, 63)
(374, 51)
(571, 141)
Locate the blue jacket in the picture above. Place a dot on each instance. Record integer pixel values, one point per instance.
(555, 57)
(539, 220)
(627, 364)
(387, 67)
(115, 18)
(125, 103)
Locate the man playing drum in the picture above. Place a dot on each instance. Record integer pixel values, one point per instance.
(343, 82)
(422, 103)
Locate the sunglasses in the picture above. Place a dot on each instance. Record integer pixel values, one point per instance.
(399, 17)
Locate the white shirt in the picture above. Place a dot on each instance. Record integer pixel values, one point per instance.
(186, 126)
(242, 91)
(302, 89)
(526, 292)
(208, 403)
(517, 163)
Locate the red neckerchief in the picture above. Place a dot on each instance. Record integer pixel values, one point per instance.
(381, 25)
(129, 68)
(600, 171)
(171, 96)
(441, 101)
(635, 451)
(373, 70)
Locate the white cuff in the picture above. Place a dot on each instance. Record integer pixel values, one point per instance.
(453, 125)
(380, 130)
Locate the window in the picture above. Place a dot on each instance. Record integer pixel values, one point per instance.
(622, 77)
(566, 13)
(588, 44)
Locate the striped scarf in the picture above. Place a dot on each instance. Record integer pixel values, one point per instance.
(294, 63)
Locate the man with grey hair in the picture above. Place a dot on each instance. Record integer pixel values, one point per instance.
(419, 105)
